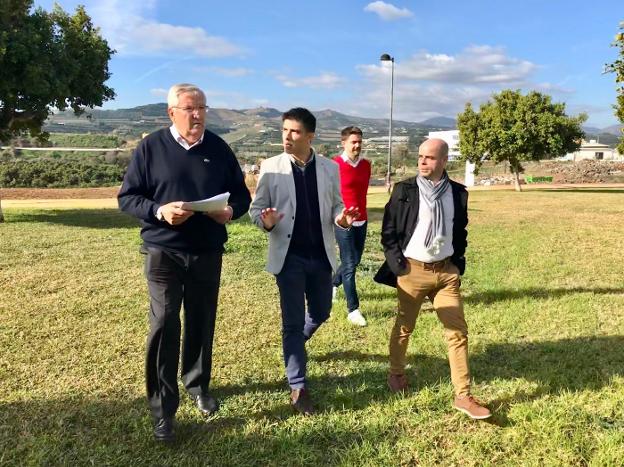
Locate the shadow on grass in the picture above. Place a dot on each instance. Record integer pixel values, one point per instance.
(91, 218)
(357, 390)
(577, 364)
(581, 190)
(375, 214)
(116, 430)
(488, 297)
(568, 364)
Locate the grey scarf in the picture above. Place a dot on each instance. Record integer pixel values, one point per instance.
(432, 194)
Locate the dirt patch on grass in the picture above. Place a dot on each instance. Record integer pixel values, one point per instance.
(59, 193)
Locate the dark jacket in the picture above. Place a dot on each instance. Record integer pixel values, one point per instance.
(399, 223)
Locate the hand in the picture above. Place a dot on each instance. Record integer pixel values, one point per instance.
(222, 217)
(270, 217)
(174, 214)
(347, 216)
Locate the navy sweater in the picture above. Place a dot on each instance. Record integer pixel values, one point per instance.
(162, 171)
(307, 236)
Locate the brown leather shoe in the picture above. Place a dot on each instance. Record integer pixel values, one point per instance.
(471, 407)
(300, 400)
(397, 383)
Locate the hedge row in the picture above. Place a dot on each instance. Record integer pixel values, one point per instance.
(58, 174)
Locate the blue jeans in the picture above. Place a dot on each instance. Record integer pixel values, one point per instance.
(351, 244)
(302, 279)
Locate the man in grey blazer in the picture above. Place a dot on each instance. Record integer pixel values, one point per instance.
(298, 203)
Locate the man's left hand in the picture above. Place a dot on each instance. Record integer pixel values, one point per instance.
(347, 216)
(222, 217)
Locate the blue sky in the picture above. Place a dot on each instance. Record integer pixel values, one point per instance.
(325, 53)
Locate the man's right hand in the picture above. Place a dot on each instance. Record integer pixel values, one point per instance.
(174, 214)
(270, 217)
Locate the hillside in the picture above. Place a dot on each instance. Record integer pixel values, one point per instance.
(147, 117)
(258, 128)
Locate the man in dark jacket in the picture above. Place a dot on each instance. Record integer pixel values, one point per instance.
(183, 248)
(424, 239)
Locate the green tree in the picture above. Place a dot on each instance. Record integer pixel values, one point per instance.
(48, 60)
(400, 156)
(517, 128)
(617, 67)
(324, 149)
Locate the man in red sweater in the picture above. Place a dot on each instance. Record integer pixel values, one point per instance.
(354, 176)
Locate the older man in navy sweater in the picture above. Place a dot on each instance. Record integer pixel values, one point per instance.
(184, 249)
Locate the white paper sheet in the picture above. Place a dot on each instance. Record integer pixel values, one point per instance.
(216, 203)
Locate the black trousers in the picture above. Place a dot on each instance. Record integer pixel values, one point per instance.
(173, 279)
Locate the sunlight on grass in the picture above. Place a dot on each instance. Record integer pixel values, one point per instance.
(544, 296)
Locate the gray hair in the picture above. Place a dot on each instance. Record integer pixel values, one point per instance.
(173, 96)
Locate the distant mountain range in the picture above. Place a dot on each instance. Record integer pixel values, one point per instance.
(327, 119)
(613, 130)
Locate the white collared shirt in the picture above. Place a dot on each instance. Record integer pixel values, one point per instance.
(416, 247)
(354, 163)
(181, 141)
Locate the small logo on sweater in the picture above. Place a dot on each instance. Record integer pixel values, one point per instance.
(206, 160)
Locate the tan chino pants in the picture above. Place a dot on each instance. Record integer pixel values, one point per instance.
(440, 283)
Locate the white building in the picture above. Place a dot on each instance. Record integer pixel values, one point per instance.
(593, 150)
(384, 139)
(450, 137)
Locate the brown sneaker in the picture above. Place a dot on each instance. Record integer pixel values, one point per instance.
(471, 407)
(300, 400)
(397, 383)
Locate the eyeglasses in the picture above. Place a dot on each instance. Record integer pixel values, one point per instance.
(190, 110)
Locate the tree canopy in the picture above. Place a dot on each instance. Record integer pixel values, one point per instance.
(48, 60)
(617, 67)
(517, 128)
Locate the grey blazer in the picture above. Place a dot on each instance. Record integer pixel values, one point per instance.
(276, 189)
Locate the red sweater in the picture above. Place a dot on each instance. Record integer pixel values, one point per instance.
(354, 184)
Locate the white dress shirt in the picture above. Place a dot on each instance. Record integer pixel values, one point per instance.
(181, 141)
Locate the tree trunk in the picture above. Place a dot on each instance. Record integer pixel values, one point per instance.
(1, 215)
(516, 173)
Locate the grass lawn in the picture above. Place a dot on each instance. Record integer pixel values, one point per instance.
(544, 292)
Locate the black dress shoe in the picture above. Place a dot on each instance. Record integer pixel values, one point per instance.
(206, 404)
(300, 400)
(163, 429)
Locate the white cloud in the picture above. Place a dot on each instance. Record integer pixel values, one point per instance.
(130, 31)
(228, 72)
(387, 11)
(232, 100)
(553, 88)
(159, 92)
(159, 38)
(326, 80)
(429, 85)
(475, 64)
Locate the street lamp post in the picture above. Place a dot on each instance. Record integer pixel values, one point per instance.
(388, 58)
